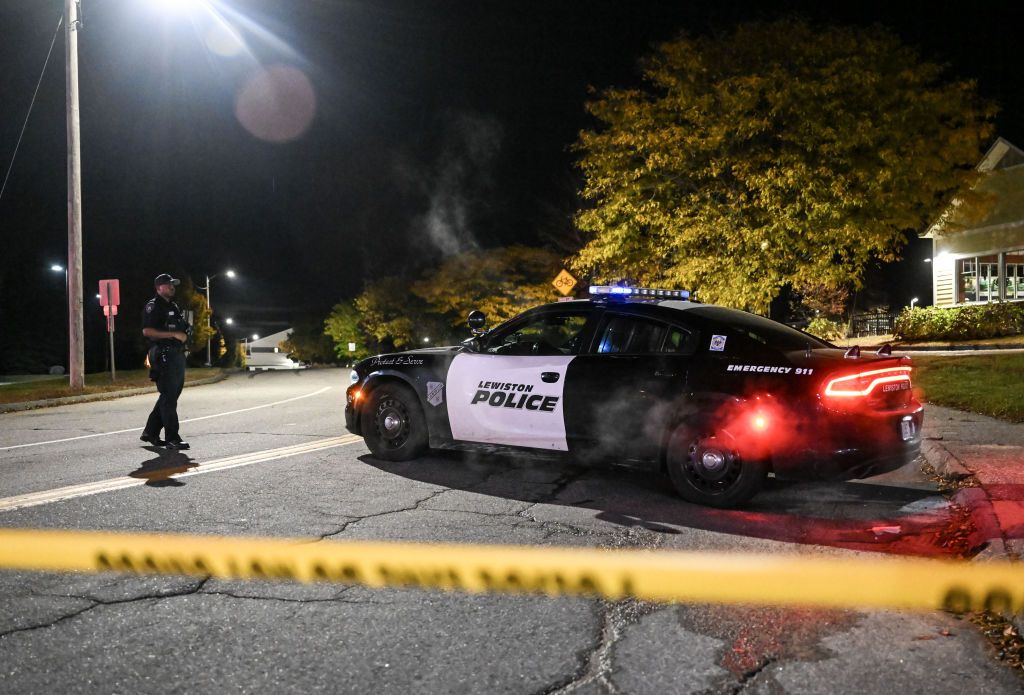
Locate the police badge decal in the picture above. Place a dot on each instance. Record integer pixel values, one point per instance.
(435, 393)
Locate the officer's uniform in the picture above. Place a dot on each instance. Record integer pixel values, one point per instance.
(167, 367)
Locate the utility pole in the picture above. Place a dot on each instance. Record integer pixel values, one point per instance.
(209, 313)
(76, 337)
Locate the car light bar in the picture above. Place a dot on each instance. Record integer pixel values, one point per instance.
(863, 383)
(643, 292)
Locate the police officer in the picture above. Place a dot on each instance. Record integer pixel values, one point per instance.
(166, 331)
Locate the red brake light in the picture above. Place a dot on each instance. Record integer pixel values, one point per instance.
(863, 383)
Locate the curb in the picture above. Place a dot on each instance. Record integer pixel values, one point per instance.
(104, 396)
(982, 511)
(945, 464)
(976, 499)
(954, 347)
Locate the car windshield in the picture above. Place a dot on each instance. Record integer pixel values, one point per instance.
(543, 334)
(760, 329)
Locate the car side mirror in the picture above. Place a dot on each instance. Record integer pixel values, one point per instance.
(477, 320)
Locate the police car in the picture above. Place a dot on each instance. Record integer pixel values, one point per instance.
(716, 398)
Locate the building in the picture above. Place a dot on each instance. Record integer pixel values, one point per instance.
(266, 353)
(981, 259)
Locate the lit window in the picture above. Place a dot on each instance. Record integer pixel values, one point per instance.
(1015, 274)
(977, 279)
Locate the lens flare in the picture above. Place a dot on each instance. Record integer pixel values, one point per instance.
(276, 104)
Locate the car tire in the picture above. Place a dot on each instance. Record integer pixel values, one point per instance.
(393, 424)
(706, 469)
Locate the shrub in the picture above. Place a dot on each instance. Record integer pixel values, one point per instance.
(972, 322)
(826, 329)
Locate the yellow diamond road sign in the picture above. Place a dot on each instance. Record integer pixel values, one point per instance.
(564, 282)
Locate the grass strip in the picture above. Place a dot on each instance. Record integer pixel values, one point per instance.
(989, 384)
(94, 383)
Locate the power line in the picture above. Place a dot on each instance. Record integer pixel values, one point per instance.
(60, 21)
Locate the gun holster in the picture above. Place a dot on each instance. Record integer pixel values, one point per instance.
(156, 358)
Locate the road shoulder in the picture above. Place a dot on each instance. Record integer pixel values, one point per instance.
(105, 396)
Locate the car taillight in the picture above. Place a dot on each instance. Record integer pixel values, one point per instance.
(863, 384)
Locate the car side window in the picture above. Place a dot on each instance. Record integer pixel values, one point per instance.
(680, 341)
(641, 336)
(629, 334)
(545, 334)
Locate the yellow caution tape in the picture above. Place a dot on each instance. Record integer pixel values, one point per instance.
(883, 582)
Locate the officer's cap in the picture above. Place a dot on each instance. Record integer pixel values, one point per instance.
(165, 279)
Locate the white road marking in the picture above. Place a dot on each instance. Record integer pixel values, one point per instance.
(34, 499)
(139, 429)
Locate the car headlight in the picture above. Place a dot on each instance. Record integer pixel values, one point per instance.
(353, 376)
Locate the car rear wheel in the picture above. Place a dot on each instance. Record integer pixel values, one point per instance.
(706, 468)
(393, 424)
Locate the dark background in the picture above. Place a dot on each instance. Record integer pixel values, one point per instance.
(439, 127)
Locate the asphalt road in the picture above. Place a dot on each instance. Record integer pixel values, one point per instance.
(111, 633)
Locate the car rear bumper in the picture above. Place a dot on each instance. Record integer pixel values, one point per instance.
(856, 448)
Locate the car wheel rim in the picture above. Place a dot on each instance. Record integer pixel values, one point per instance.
(392, 423)
(711, 467)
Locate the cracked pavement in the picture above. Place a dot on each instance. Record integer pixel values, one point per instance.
(83, 633)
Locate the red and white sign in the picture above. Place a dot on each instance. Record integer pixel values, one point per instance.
(110, 297)
(110, 294)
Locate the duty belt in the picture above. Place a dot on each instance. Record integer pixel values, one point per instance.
(174, 346)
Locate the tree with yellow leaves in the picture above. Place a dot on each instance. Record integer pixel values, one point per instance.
(500, 282)
(777, 154)
(394, 313)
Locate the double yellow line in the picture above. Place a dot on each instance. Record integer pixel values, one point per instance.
(143, 476)
(613, 574)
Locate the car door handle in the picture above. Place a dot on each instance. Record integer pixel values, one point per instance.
(664, 374)
(549, 377)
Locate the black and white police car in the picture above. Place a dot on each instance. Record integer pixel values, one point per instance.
(715, 397)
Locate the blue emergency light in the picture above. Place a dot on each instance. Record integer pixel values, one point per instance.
(639, 292)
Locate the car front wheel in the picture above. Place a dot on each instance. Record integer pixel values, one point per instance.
(393, 424)
(706, 468)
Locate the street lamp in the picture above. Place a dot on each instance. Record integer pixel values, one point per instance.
(209, 312)
(913, 302)
(72, 20)
(61, 269)
(229, 321)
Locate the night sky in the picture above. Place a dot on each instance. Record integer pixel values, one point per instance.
(413, 129)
